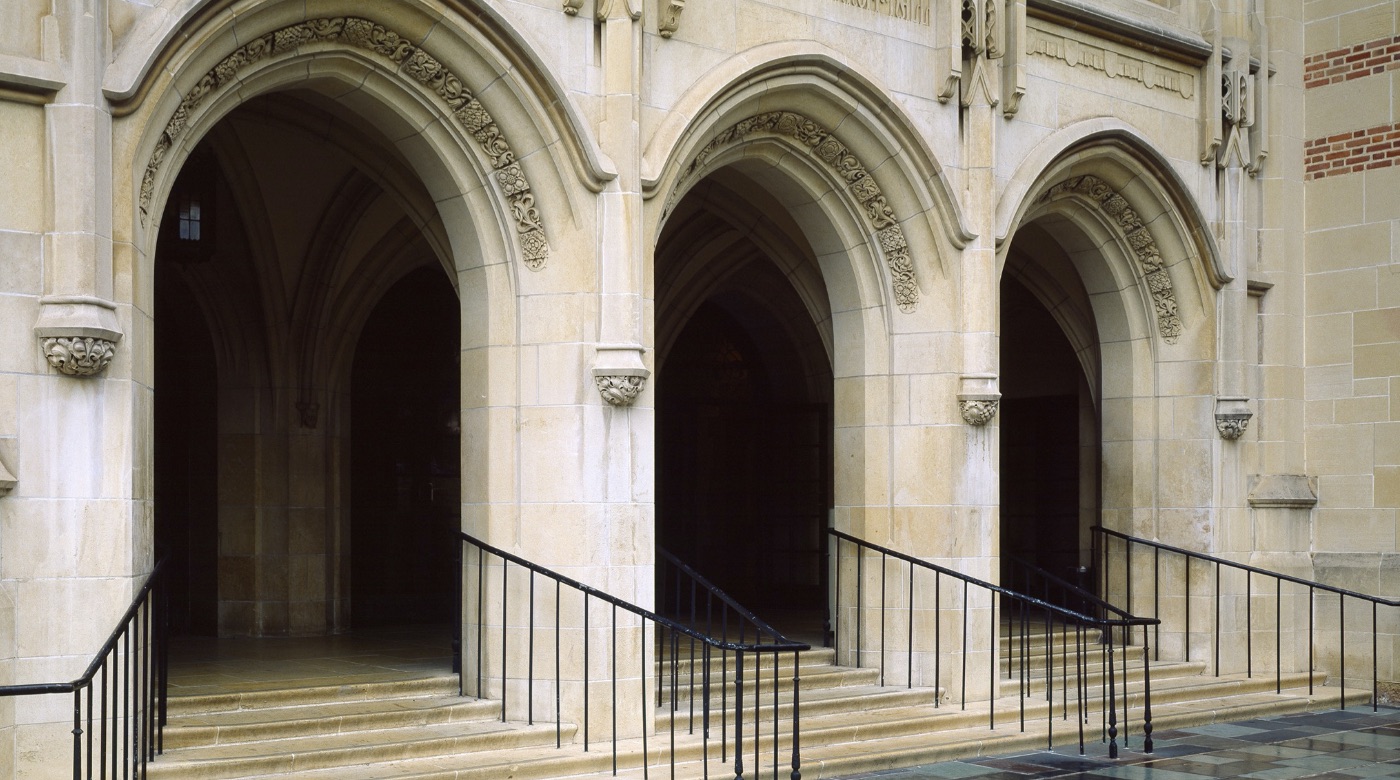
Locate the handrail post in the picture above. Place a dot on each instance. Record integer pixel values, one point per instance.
(1146, 697)
(739, 716)
(77, 734)
(796, 719)
(1112, 706)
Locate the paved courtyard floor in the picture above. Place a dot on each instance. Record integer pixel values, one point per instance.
(1336, 745)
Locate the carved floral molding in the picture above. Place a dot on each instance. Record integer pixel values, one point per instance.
(978, 411)
(1144, 246)
(412, 60)
(825, 147)
(78, 356)
(619, 390)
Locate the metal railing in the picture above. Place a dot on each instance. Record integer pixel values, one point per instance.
(1028, 614)
(1190, 561)
(119, 702)
(754, 641)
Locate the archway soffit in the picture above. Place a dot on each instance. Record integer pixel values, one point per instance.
(826, 151)
(373, 38)
(160, 37)
(822, 72)
(1111, 139)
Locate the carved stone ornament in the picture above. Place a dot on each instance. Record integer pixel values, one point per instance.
(1232, 426)
(619, 373)
(310, 413)
(404, 57)
(823, 146)
(1121, 214)
(670, 17)
(78, 356)
(978, 411)
(571, 7)
(1232, 414)
(619, 390)
(7, 480)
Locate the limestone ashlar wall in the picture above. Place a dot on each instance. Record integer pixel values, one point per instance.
(1352, 145)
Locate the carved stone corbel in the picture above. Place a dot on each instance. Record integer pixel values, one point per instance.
(78, 334)
(978, 398)
(668, 17)
(1232, 415)
(978, 411)
(619, 374)
(7, 480)
(571, 7)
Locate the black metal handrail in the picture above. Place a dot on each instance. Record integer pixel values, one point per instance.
(689, 592)
(134, 666)
(1017, 645)
(1102, 551)
(667, 631)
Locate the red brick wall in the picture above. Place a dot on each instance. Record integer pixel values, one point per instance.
(1351, 62)
(1350, 152)
(1356, 150)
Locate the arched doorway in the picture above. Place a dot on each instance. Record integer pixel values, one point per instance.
(300, 296)
(744, 419)
(1048, 418)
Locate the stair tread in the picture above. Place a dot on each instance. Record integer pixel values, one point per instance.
(353, 739)
(849, 724)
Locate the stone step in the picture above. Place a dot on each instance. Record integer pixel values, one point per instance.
(309, 720)
(259, 697)
(863, 748)
(280, 756)
(420, 730)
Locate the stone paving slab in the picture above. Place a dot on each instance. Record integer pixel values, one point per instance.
(1335, 745)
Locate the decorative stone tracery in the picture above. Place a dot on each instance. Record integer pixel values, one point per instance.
(1144, 246)
(824, 146)
(427, 70)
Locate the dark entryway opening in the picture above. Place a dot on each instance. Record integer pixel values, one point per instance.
(744, 459)
(186, 456)
(405, 455)
(1046, 422)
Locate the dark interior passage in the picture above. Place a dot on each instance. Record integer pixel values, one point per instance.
(186, 457)
(742, 485)
(1043, 416)
(405, 462)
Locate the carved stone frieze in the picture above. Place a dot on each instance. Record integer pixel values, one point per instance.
(619, 389)
(828, 150)
(978, 411)
(418, 64)
(1137, 236)
(1114, 64)
(78, 356)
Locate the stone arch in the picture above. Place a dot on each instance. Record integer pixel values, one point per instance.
(1120, 223)
(804, 132)
(454, 172)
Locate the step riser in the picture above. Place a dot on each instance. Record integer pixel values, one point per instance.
(177, 737)
(350, 756)
(304, 697)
